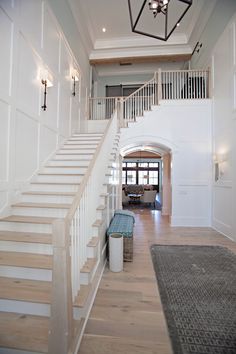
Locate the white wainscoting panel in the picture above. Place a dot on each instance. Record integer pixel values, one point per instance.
(64, 109)
(47, 142)
(66, 62)
(26, 146)
(3, 198)
(28, 84)
(4, 126)
(222, 209)
(31, 26)
(6, 32)
(51, 40)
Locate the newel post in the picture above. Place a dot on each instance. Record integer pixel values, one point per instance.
(61, 321)
(120, 111)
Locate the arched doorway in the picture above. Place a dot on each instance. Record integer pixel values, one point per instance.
(146, 153)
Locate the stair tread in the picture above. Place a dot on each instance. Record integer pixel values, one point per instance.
(29, 219)
(79, 143)
(101, 207)
(88, 134)
(80, 146)
(25, 260)
(37, 291)
(69, 194)
(93, 242)
(97, 223)
(59, 174)
(30, 237)
(62, 183)
(89, 265)
(66, 166)
(74, 153)
(78, 160)
(104, 194)
(82, 296)
(24, 332)
(42, 205)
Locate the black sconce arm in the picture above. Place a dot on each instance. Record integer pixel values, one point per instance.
(44, 106)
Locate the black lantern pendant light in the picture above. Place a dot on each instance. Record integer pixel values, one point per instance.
(162, 12)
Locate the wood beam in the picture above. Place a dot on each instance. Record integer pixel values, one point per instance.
(141, 59)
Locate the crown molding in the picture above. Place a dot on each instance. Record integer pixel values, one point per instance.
(138, 41)
(141, 52)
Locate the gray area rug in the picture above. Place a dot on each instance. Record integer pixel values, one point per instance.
(197, 285)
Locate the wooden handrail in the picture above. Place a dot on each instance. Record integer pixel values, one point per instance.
(140, 88)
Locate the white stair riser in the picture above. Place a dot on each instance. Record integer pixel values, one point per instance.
(85, 278)
(78, 313)
(53, 187)
(47, 212)
(92, 252)
(72, 170)
(95, 231)
(26, 247)
(27, 308)
(58, 179)
(35, 198)
(99, 214)
(68, 156)
(26, 273)
(68, 163)
(26, 227)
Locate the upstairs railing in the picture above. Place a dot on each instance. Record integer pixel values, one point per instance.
(141, 100)
(71, 236)
(184, 84)
(165, 85)
(102, 107)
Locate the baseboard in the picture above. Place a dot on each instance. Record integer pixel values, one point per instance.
(222, 228)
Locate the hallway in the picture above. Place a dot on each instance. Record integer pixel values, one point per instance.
(127, 316)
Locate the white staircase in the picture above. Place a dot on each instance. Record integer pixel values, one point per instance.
(26, 249)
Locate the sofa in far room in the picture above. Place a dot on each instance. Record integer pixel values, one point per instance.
(145, 191)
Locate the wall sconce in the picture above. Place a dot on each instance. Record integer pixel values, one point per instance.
(219, 159)
(197, 48)
(46, 82)
(75, 77)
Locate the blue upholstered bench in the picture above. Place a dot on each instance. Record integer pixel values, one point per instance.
(123, 222)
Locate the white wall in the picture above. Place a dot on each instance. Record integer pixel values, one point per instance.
(185, 128)
(31, 40)
(166, 185)
(223, 62)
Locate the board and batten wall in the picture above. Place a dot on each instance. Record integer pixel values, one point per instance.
(32, 42)
(223, 65)
(183, 127)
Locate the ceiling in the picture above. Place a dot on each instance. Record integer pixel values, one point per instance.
(118, 43)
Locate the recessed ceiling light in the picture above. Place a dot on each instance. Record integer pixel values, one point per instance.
(104, 29)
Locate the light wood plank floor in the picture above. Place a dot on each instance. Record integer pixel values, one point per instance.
(127, 316)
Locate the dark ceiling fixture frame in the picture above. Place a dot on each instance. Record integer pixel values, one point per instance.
(197, 48)
(157, 7)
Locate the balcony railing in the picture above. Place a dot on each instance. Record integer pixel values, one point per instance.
(165, 85)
